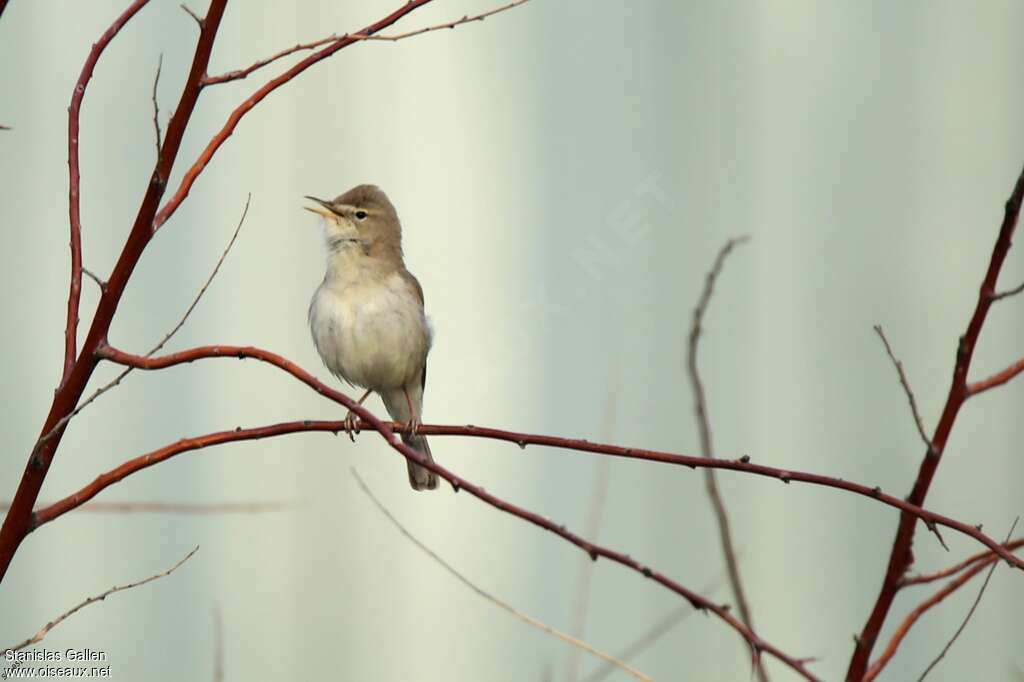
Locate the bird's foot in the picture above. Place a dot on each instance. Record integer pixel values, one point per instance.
(351, 425)
(412, 426)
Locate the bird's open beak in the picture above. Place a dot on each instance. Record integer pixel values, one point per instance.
(324, 209)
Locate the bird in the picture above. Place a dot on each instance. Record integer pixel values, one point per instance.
(367, 317)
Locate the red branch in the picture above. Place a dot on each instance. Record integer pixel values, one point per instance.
(902, 556)
(997, 379)
(523, 439)
(17, 523)
(956, 568)
(74, 115)
(242, 109)
(699, 602)
(239, 74)
(920, 610)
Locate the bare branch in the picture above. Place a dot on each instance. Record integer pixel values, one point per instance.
(99, 282)
(439, 27)
(74, 183)
(247, 105)
(906, 388)
(970, 612)
(156, 106)
(43, 631)
(901, 556)
(1006, 294)
(387, 430)
(599, 494)
(956, 568)
(18, 522)
(3, 127)
(116, 381)
(238, 74)
(997, 379)
(661, 628)
(199, 20)
(529, 620)
(707, 449)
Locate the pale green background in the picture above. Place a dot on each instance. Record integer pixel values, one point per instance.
(867, 148)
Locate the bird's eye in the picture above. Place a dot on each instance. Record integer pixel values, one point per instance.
(360, 215)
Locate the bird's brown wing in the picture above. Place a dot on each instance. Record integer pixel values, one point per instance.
(414, 284)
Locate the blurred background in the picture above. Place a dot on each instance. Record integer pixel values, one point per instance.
(565, 173)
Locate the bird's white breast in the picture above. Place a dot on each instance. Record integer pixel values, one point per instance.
(370, 331)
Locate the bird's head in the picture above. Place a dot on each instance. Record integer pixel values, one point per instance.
(363, 215)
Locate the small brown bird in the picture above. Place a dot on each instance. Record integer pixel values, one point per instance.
(367, 316)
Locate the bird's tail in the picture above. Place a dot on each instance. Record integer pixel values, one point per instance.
(420, 478)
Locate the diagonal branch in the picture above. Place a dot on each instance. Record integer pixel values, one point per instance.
(369, 422)
(529, 620)
(906, 388)
(43, 631)
(18, 520)
(466, 19)
(1008, 293)
(956, 568)
(74, 183)
(656, 632)
(997, 379)
(915, 615)
(756, 643)
(902, 556)
(706, 447)
(239, 74)
(116, 381)
(156, 105)
(970, 612)
(250, 102)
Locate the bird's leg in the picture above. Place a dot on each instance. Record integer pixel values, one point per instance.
(351, 419)
(414, 419)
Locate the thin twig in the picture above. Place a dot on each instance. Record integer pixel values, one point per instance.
(1006, 294)
(156, 106)
(116, 381)
(529, 620)
(74, 183)
(99, 282)
(966, 569)
(997, 379)
(239, 74)
(707, 449)
(970, 612)
(193, 172)
(192, 14)
(3, 127)
(660, 629)
(956, 568)
(38, 637)
(439, 27)
(598, 495)
(906, 388)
